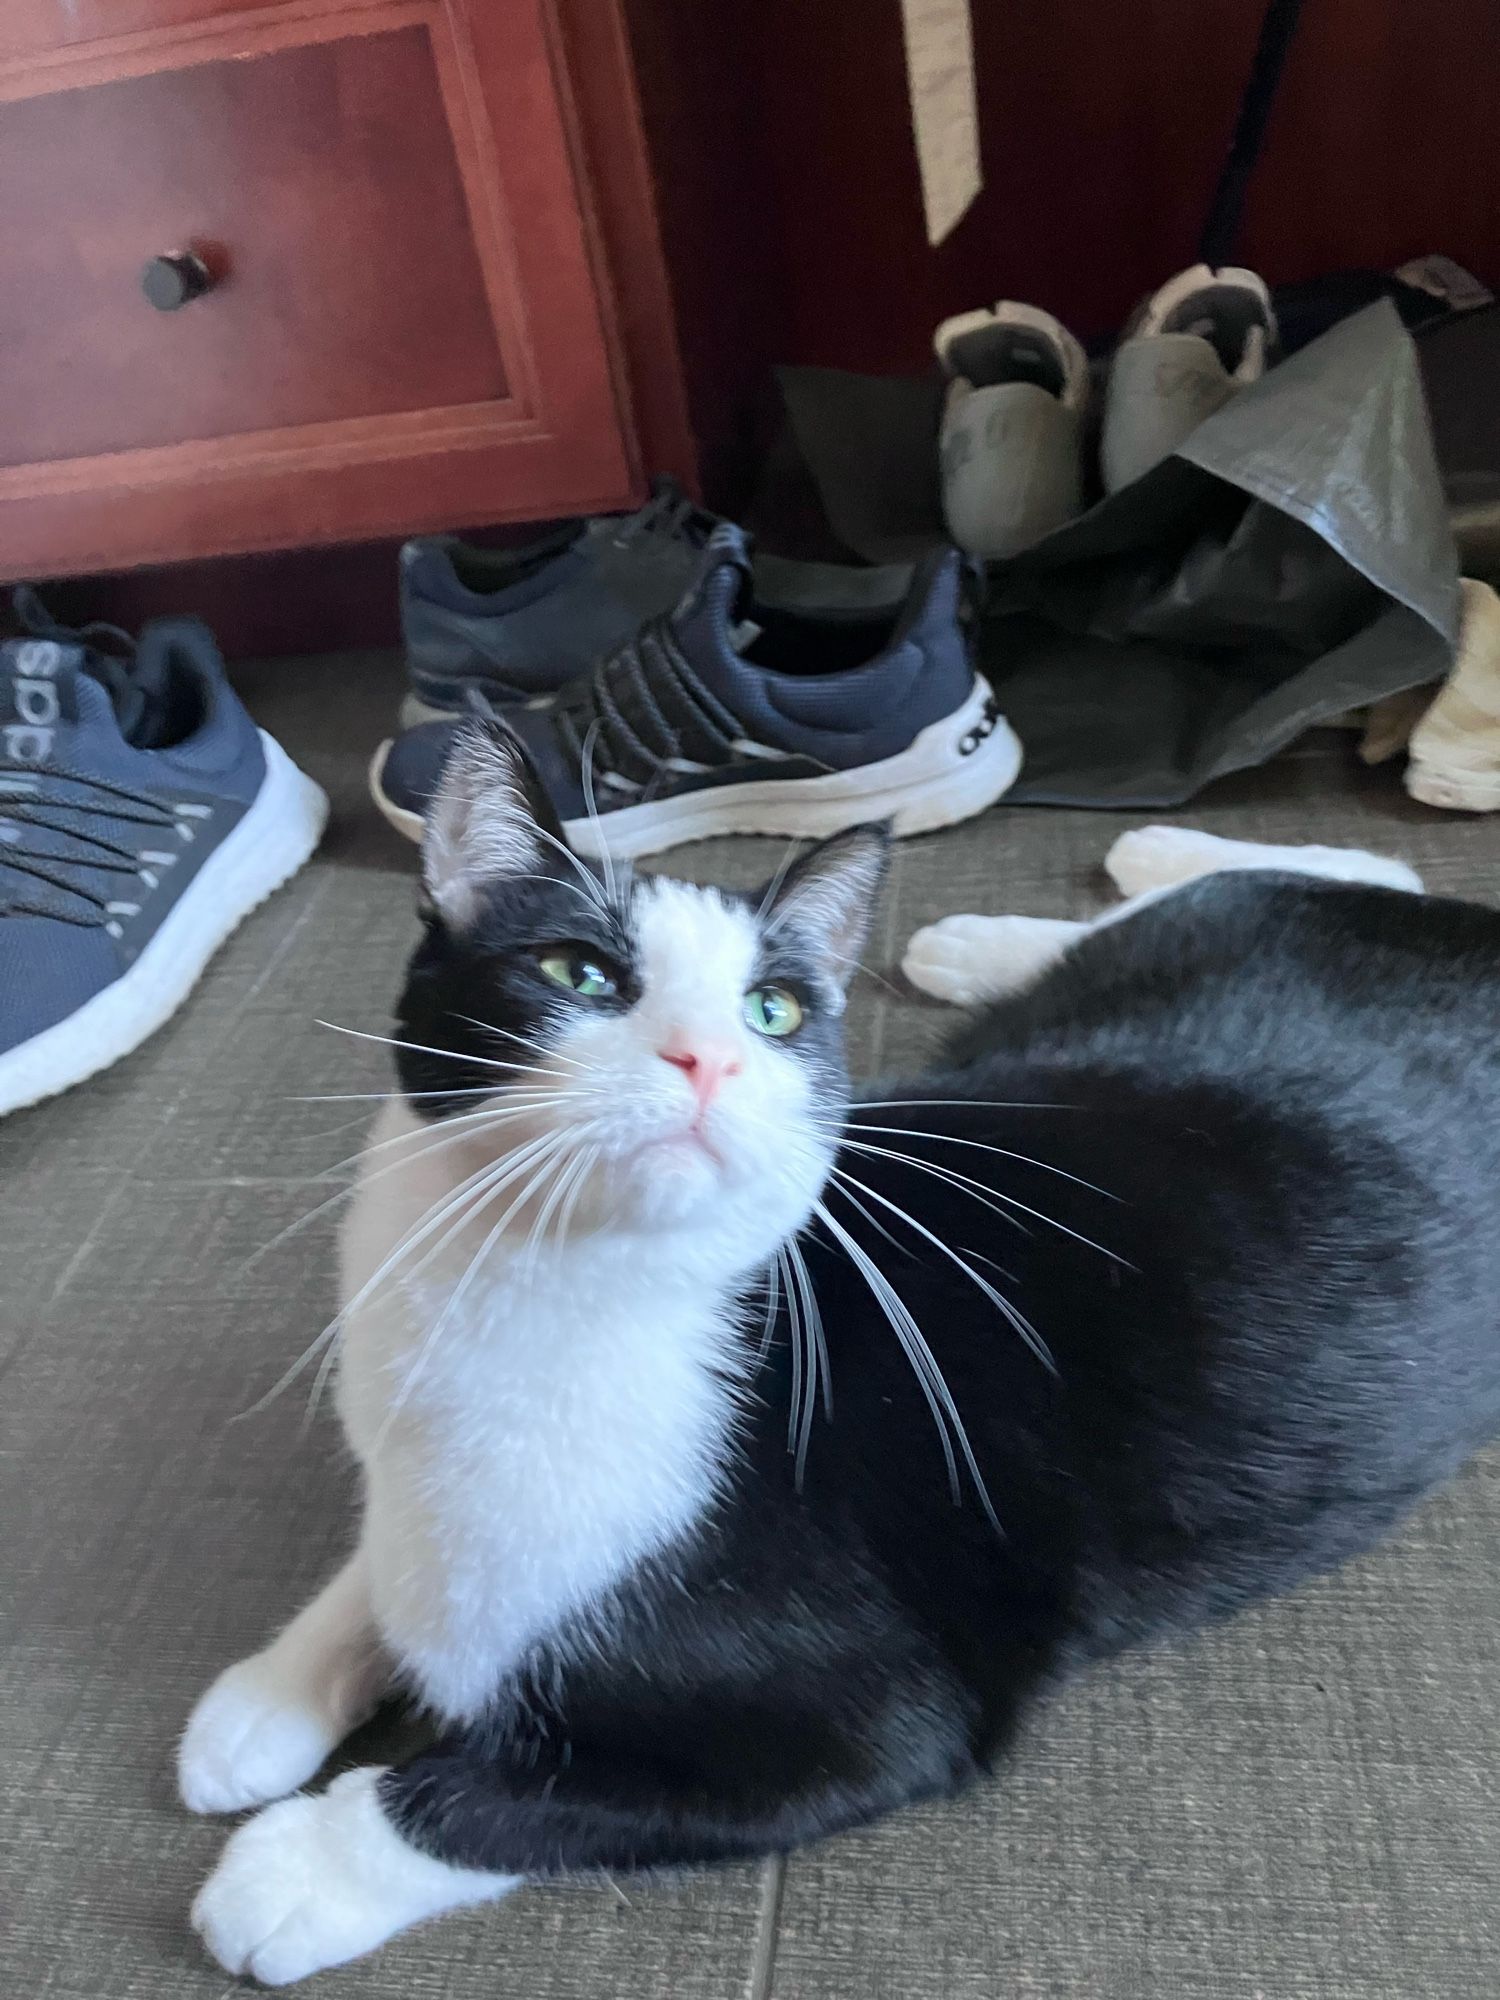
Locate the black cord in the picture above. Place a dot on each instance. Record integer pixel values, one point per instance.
(1226, 210)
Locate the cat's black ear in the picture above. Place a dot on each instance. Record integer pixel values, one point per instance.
(828, 897)
(489, 819)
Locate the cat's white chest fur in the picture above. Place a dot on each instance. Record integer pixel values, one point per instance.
(566, 1421)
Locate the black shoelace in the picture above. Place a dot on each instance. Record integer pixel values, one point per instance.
(61, 804)
(34, 617)
(642, 714)
(669, 512)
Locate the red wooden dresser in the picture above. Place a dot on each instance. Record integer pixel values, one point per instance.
(319, 271)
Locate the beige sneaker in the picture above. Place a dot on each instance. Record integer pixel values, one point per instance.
(1199, 340)
(1011, 449)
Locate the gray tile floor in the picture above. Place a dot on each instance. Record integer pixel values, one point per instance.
(1304, 1806)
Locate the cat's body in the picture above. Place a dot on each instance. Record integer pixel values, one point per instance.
(1243, 1217)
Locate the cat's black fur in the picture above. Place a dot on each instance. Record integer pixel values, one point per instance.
(1284, 1328)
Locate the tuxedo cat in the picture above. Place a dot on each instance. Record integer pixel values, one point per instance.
(741, 1462)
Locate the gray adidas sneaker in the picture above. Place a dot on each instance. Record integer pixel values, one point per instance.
(1011, 446)
(712, 721)
(1199, 340)
(510, 624)
(142, 815)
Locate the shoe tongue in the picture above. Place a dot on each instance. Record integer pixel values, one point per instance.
(49, 686)
(725, 545)
(723, 576)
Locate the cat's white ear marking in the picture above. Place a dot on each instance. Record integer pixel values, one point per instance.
(829, 896)
(313, 1882)
(486, 821)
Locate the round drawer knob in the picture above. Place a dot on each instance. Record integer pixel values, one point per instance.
(175, 280)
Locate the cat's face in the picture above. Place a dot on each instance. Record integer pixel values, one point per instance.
(671, 1054)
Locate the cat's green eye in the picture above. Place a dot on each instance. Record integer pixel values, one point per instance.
(579, 975)
(771, 1010)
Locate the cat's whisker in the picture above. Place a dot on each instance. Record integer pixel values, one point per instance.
(773, 1307)
(570, 1206)
(469, 1125)
(773, 887)
(983, 1146)
(987, 1197)
(998, 1299)
(499, 1110)
(331, 1330)
(451, 1055)
(475, 1265)
(391, 1096)
(976, 1191)
(360, 1122)
(607, 860)
(503, 1097)
(994, 1194)
(878, 977)
(488, 1178)
(930, 1378)
(418, 1048)
(983, 1257)
(819, 1336)
(524, 1042)
(557, 882)
(536, 1236)
(590, 881)
(319, 1384)
(797, 1343)
(500, 1085)
(495, 1174)
(836, 1129)
(952, 1103)
(817, 1360)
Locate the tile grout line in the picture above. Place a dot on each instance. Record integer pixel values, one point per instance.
(317, 896)
(123, 1180)
(882, 998)
(767, 1929)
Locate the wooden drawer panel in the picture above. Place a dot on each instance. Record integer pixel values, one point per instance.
(407, 328)
(322, 183)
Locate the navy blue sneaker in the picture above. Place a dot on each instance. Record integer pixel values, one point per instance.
(735, 716)
(508, 624)
(142, 815)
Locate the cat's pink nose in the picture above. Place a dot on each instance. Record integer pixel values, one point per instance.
(704, 1064)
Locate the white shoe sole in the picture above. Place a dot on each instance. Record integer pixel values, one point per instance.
(933, 783)
(1456, 791)
(272, 841)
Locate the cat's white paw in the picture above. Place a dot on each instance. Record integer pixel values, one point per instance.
(967, 959)
(1159, 857)
(256, 1735)
(288, 1896)
(312, 1882)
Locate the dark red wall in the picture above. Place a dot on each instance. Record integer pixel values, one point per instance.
(1104, 125)
(783, 164)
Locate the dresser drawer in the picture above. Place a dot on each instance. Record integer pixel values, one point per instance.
(400, 325)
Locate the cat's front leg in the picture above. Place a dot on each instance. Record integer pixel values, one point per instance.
(312, 1882)
(268, 1723)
